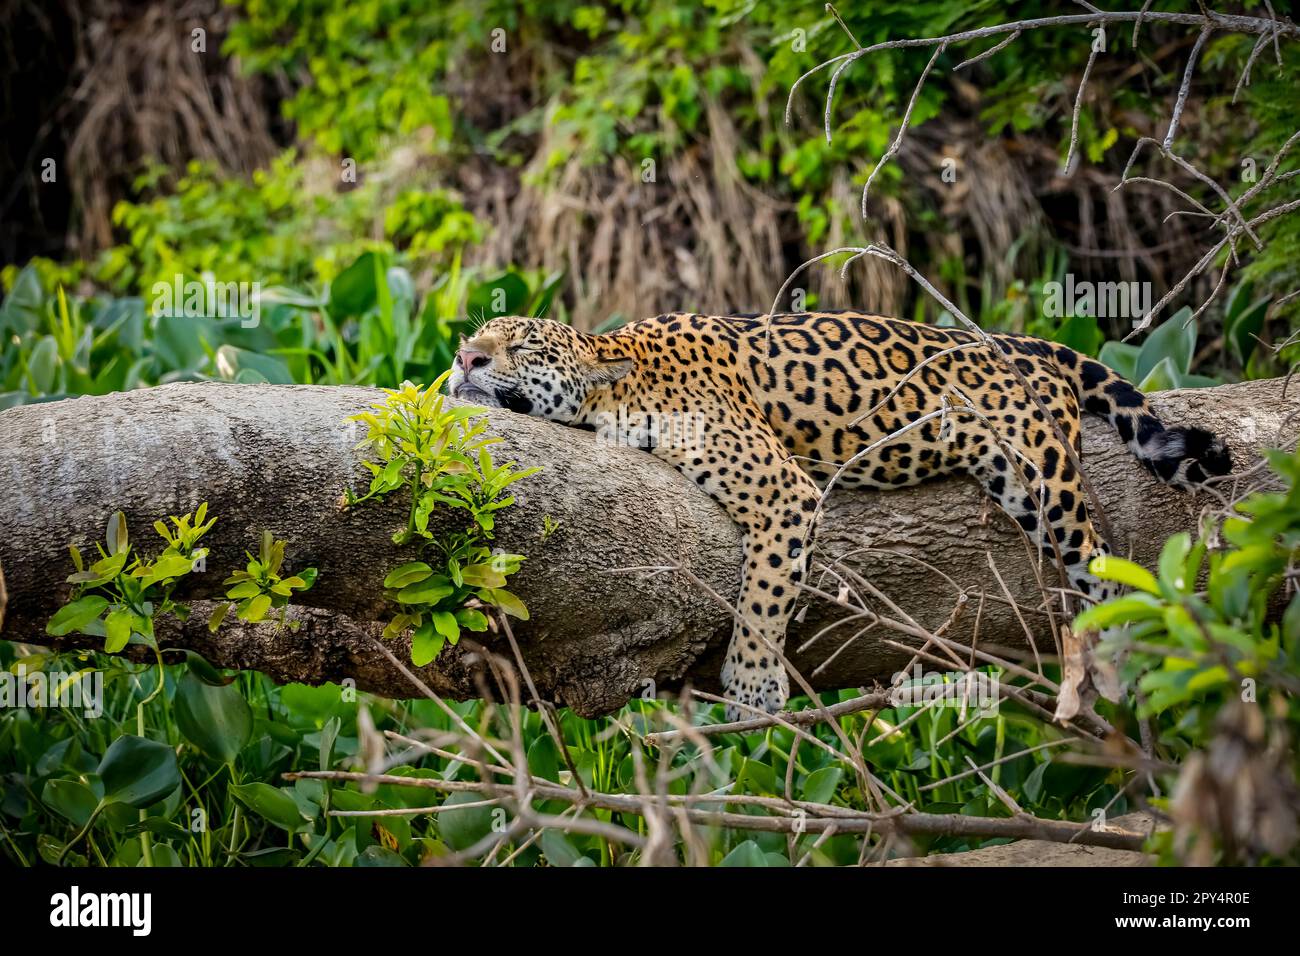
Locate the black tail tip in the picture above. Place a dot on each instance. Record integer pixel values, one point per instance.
(1189, 456)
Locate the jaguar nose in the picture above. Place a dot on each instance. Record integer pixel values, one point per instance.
(472, 358)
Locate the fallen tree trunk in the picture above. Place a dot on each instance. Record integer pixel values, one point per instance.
(279, 457)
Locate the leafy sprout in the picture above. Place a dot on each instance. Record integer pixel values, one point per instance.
(438, 455)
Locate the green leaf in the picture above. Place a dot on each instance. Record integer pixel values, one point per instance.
(254, 609)
(1174, 339)
(1033, 785)
(117, 629)
(429, 591)
(1173, 560)
(1120, 610)
(217, 720)
(506, 294)
(1120, 357)
(1111, 568)
(269, 803)
(559, 850)
(446, 624)
(75, 616)
(119, 540)
(244, 589)
(1161, 378)
(218, 615)
(1243, 322)
(426, 642)
(353, 291)
(483, 576)
(544, 758)
(200, 668)
(71, 799)
(137, 771)
(472, 620)
(43, 365)
(328, 735)
(242, 365)
(821, 784)
(1081, 333)
(461, 829)
(748, 853)
(409, 573)
(506, 601)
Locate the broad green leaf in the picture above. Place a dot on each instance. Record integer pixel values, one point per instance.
(1174, 339)
(461, 829)
(254, 609)
(429, 591)
(1121, 610)
(472, 620)
(1173, 560)
(409, 573)
(820, 785)
(137, 771)
(446, 624)
(1081, 333)
(43, 365)
(506, 601)
(1161, 378)
(117, 629)
(270, 803)
(71, 799)
(748, 854)
(218, 615)
(426, 642)
(483, 576)
(117, 537)
(353, 292)
(217, 720)
(75, 616)
(1121, 357)
(1111, 568)
(559, 850)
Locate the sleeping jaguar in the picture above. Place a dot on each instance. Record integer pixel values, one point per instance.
(762, 413)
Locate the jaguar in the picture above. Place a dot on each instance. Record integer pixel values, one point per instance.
(767, 412)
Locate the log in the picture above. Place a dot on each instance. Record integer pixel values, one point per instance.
(279, 457)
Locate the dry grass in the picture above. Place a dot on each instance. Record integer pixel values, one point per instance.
(144, 93)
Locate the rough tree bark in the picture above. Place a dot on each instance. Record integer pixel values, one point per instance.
(278, 457)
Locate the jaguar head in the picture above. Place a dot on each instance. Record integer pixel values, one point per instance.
(534, 367)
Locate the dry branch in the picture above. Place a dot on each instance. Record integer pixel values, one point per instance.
(279, 457)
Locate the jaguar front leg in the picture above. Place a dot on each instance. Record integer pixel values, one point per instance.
(776, 559)
(738, 460)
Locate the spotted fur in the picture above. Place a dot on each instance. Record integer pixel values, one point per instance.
(771, 417)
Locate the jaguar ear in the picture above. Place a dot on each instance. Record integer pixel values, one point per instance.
(607, 371)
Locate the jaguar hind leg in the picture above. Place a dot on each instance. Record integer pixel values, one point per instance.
(1039, 488)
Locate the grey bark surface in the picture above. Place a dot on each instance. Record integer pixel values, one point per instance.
(279, 457)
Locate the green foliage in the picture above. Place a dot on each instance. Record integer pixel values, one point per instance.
(260, 588)
(1163, 360)
(121, 595)
(436, 456)
(367, 327)
(1199, 643)
(1203, 632)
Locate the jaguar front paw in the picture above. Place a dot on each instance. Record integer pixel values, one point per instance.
(754, 691)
